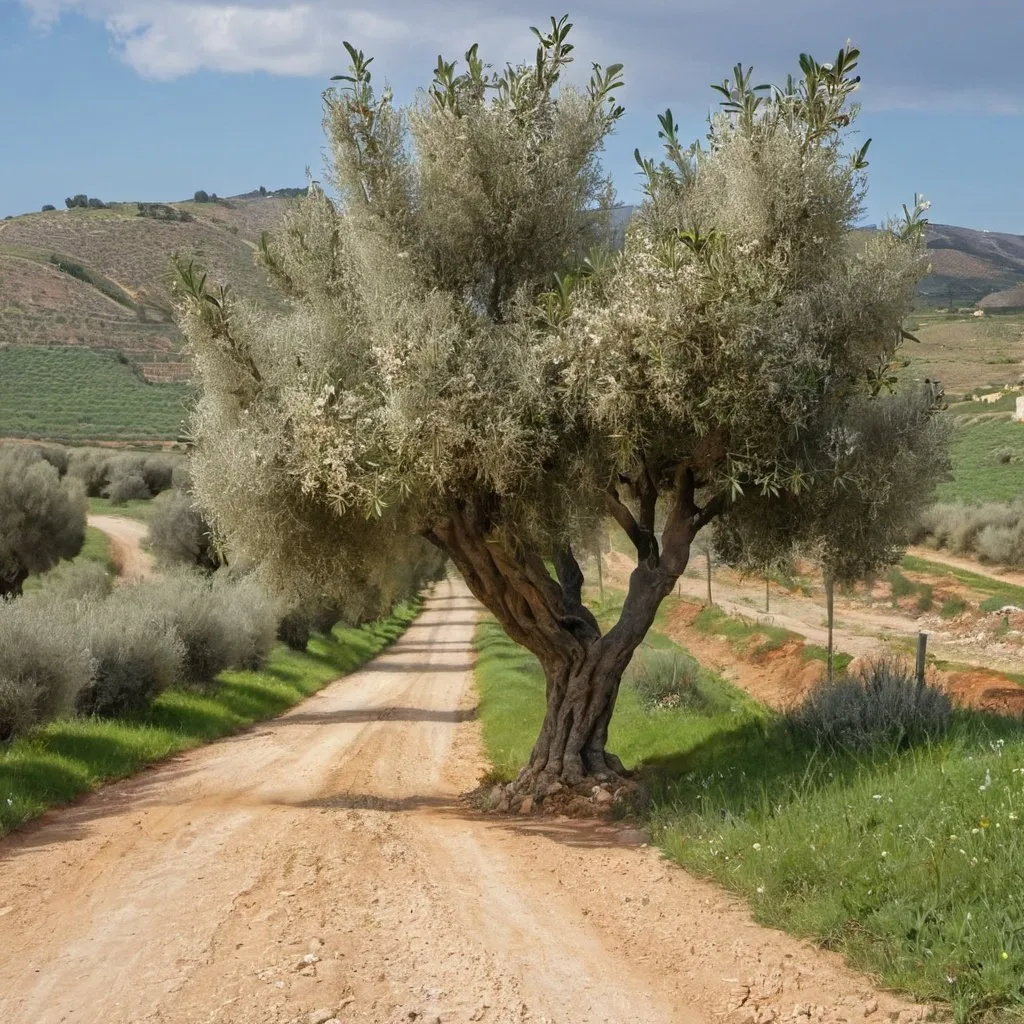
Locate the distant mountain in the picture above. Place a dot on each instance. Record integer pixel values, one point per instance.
(974, 267)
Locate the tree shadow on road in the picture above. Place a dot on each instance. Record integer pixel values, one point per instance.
(381, 714)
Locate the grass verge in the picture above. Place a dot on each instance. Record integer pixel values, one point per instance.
(995, 592)
(908, 862)
(57, 762)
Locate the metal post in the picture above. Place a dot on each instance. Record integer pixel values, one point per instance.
(922, 649)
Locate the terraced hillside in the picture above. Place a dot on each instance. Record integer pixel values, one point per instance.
(77, 394)
(101, 279)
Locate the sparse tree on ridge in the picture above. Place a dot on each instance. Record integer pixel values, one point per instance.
(460, 366)
(42, 517)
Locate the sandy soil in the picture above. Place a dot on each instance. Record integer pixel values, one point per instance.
(325, 862)
(126, 537)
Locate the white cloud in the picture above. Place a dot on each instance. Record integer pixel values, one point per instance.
(954, 58)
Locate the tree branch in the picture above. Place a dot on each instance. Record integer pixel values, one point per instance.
(642, 539)
(570, 577)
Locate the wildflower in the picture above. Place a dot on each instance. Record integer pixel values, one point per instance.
(877, 796)
(885, 853)
(760, 890)
(983, 822)
(1005, 955)
(757, 846)
(1013, 815)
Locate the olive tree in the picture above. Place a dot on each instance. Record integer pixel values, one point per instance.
(42, 517)
(463, 366)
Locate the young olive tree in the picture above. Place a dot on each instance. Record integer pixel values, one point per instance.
(459, 369)
(42, 518)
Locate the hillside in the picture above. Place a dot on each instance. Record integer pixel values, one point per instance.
(101, 278)
(969, 266)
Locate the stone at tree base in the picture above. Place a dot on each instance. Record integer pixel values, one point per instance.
(526, 807)
(320, 1017)
(603, 798)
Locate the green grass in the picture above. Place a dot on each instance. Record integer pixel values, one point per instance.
(76, 394)
(996, 593)
(57, 762)
(840, 661)
(978, 475)
(511, 689)
(952, 607)
(134, 509)
(906, 862)
(739, 632)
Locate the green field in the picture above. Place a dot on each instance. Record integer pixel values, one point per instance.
(907, 862)
(978, 473)
(75, 394)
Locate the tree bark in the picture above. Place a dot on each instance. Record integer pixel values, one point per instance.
(583, 668)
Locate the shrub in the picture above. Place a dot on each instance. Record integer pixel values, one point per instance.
(925, 597)
(127, 485)
(952, 607)
(90, 467)
(664, 679)
(294, 629)
(42, 666)
(993, 531)
(1003, 544)
(881, 704)
(222, 622)
(188, 604)
(77, 581)
(137, 654)
(179, 535)
(48, 207)
(42, 518)
(252, 617)
(158, 472)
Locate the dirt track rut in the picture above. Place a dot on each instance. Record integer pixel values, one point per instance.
(324, 861)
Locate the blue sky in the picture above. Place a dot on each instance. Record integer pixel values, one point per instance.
(153, 99)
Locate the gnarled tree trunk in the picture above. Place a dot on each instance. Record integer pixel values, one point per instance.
(582, 667)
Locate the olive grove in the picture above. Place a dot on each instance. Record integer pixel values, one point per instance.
(465, 366)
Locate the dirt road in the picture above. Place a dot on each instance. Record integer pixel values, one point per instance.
(324, 861)
(126, 537)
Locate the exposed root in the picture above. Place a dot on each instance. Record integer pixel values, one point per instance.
(603, 794)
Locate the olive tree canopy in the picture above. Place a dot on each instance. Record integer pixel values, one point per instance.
(42, 517)
(463, 365)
